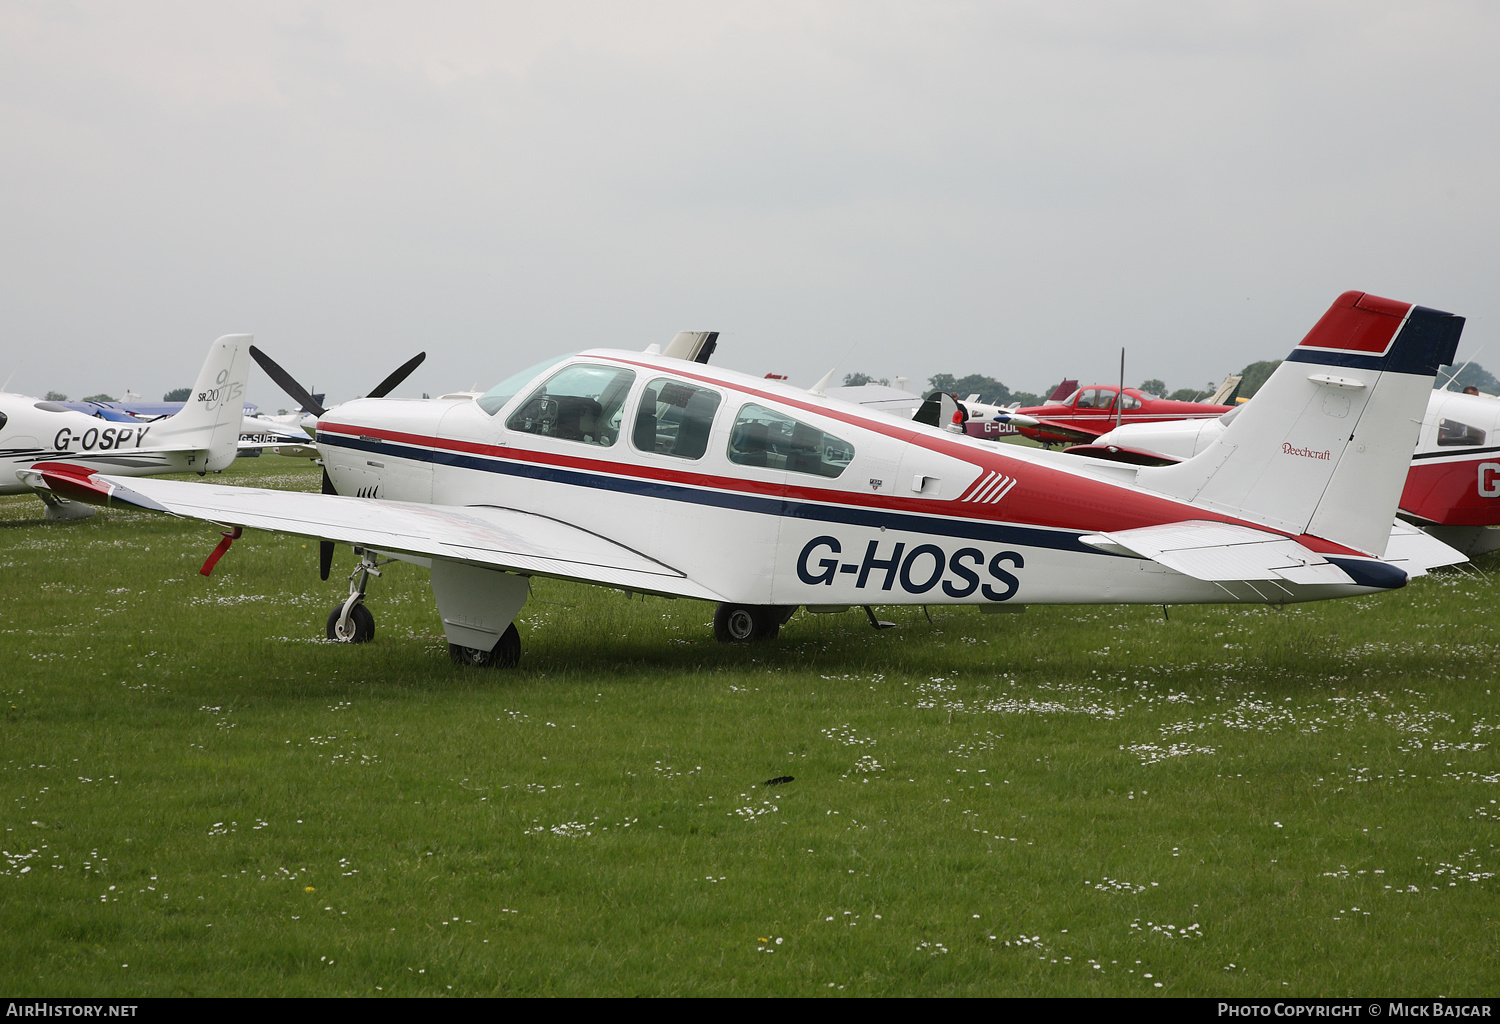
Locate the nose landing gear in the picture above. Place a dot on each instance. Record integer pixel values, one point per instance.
(351, 622)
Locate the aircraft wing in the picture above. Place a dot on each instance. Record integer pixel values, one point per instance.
(482, 535)
(1033, 425)
(1071, 431)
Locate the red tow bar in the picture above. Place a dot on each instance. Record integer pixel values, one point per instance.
(218, 551)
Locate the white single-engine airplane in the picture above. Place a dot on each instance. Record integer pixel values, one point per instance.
(650, 473)
(202, 437)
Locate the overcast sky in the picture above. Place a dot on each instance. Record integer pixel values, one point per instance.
(1014, 189)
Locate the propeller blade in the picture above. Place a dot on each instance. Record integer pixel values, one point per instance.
(286, 383)
(325, 548)
(401, 372)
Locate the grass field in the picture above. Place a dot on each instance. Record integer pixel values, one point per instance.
(201, 797)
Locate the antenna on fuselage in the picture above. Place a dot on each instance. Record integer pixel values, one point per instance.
(1120, 398)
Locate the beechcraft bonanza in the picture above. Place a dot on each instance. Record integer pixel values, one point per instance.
(204, 436)
(651, 473)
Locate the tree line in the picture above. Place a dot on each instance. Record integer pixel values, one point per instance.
(175, 395)
(995, 392)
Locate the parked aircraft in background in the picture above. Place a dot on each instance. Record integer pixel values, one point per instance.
(202, 437)
(1452, 487)
(649, 473)
(134, 409)
(1094, 410)
(258, 433)
(892, 401)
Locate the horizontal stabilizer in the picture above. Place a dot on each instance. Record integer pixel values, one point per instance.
(1225, 553)
(482, 535)
(1416, 550)
(694, 346)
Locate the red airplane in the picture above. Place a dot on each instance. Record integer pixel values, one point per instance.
(1091, 411)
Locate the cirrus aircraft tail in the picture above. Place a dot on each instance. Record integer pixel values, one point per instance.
(211, 418)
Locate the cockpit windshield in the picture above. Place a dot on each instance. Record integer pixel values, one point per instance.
(581, 402)
(496, 397)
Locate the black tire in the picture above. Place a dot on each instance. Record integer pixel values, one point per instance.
(360, 618)
(506, 654)
(746, 623)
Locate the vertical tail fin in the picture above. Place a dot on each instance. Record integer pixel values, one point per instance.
(1325, 446)
(212, 417)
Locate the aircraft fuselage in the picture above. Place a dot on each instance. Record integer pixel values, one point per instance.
(874, 512)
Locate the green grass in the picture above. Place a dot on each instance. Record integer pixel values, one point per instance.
(203, 790)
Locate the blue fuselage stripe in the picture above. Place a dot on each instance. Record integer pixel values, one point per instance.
(970, 529)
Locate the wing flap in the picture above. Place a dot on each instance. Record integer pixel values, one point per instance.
(488, 536)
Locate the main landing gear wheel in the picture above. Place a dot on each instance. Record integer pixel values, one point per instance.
(507, 652)
(359, 629)
(745, 623)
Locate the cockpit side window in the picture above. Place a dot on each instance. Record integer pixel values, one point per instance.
(496, 397)
(1130, 402)
(1096, 398)
(764, 437)
(1452, 433)
(582, 402)
(3, 419)
(674, 419)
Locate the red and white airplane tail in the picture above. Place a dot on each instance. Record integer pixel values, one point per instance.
(1324, 449)
(211, 419)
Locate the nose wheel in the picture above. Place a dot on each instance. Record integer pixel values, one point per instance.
(351, 622)
(357, 628)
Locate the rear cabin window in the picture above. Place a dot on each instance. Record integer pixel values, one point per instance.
(1452, 434)
(1095, 398)
(764, 437)
(578, 403)
(674, 419)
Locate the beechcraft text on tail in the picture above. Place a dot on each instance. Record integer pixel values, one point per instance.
(656, 473)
